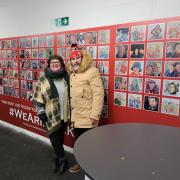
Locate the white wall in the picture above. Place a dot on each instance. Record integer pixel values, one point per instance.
(27, 17)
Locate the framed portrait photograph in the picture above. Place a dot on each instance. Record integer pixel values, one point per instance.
(81, 38)
(170, 106)
(35, 42)
(136, 68)
(70, 39)
(42, 53)
(135, 101)
(135, 85)
(60, 40)
(171, 88)
(120, 83)
(91, 37)
(137, 51)
(151, 103)
(42, 41)
(103, 67)
(173, 30)
(153, 68)
(121, 51)
(92, 50)
(173, 49)
(152, 86)
(121, 67)
(154, 50)
(156, 31)
(103, 52)
(122, 34)
(104, 36)
(172, 69)
(138, 33)
(119, 98)
(49, 41)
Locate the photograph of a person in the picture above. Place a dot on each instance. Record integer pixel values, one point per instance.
(135, 101)
(173, 49)
(156, 31)
(104, 36)
(154, 50)
(103, 52)
(1, 89)
(3, 53)
(121, 51)
(172, 69)
(29, 75)
(122, 34)
(151, 103)
(70, 39)
(15, 73)
(13, 43)
(35, 75)
(15, 83)
(42, 41)
(137, 51)
(27, 42)
(49, 41)
(92, 50)
(22, 43)
(138, 33)
(91, 37)
(61, 40)
(171, 88)
(35, 42)
(153, 68)
(121, 67)
(105, 80)
(136, 68)
(152, 86)
(120, 83)
(27, 53)
(35, 64)
(170, 106)
(103, 67)
(80, 38)
(135, 85)
(14, 54)
(173, 30)
(120, 98)
(23, 74)
(34, 53)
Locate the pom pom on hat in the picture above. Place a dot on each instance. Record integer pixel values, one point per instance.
(74, 54)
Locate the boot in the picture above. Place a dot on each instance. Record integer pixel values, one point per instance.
(55, 164)
(63, 165)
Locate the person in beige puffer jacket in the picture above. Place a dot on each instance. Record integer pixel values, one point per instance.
(86, 94)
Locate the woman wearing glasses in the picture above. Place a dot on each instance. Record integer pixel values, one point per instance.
(51, 99)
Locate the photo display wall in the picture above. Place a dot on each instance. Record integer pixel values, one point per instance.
(139, 64)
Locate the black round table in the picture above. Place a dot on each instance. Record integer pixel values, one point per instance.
(130, 151)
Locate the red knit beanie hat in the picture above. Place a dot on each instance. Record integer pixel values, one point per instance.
(74, 54)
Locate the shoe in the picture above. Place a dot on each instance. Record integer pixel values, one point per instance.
(63, 165)
(75, 168)
(55, 164)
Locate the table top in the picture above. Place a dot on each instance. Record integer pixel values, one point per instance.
(130, 151)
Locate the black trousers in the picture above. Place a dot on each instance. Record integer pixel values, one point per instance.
(57, 140)
(79, 131)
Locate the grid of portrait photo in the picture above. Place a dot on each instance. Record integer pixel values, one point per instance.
(9, 83)
(142, 60)
(33, 53)
(147, 67)
(97, 43)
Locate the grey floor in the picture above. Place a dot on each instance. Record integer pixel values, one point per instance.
(25, 158)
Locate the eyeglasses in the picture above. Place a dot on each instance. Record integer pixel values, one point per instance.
(54, 62)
